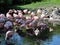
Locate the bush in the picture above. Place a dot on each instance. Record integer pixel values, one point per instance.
(6, 4)
(24, 1)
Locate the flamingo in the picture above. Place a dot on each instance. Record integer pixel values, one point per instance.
(39, 11)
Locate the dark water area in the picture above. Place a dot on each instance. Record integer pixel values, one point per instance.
(52, 39)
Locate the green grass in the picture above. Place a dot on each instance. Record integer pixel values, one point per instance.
(48, 3)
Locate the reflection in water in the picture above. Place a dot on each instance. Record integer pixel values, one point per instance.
(52, 39)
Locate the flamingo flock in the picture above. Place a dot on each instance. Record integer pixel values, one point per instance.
(30, 22)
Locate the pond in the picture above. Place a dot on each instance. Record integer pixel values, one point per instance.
(53, 38)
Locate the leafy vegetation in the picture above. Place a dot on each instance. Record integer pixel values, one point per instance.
(44, 3)
(22, 4)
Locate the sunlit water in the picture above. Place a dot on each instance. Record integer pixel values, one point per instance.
(53, 39)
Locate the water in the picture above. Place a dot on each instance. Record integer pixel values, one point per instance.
(52, 39)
